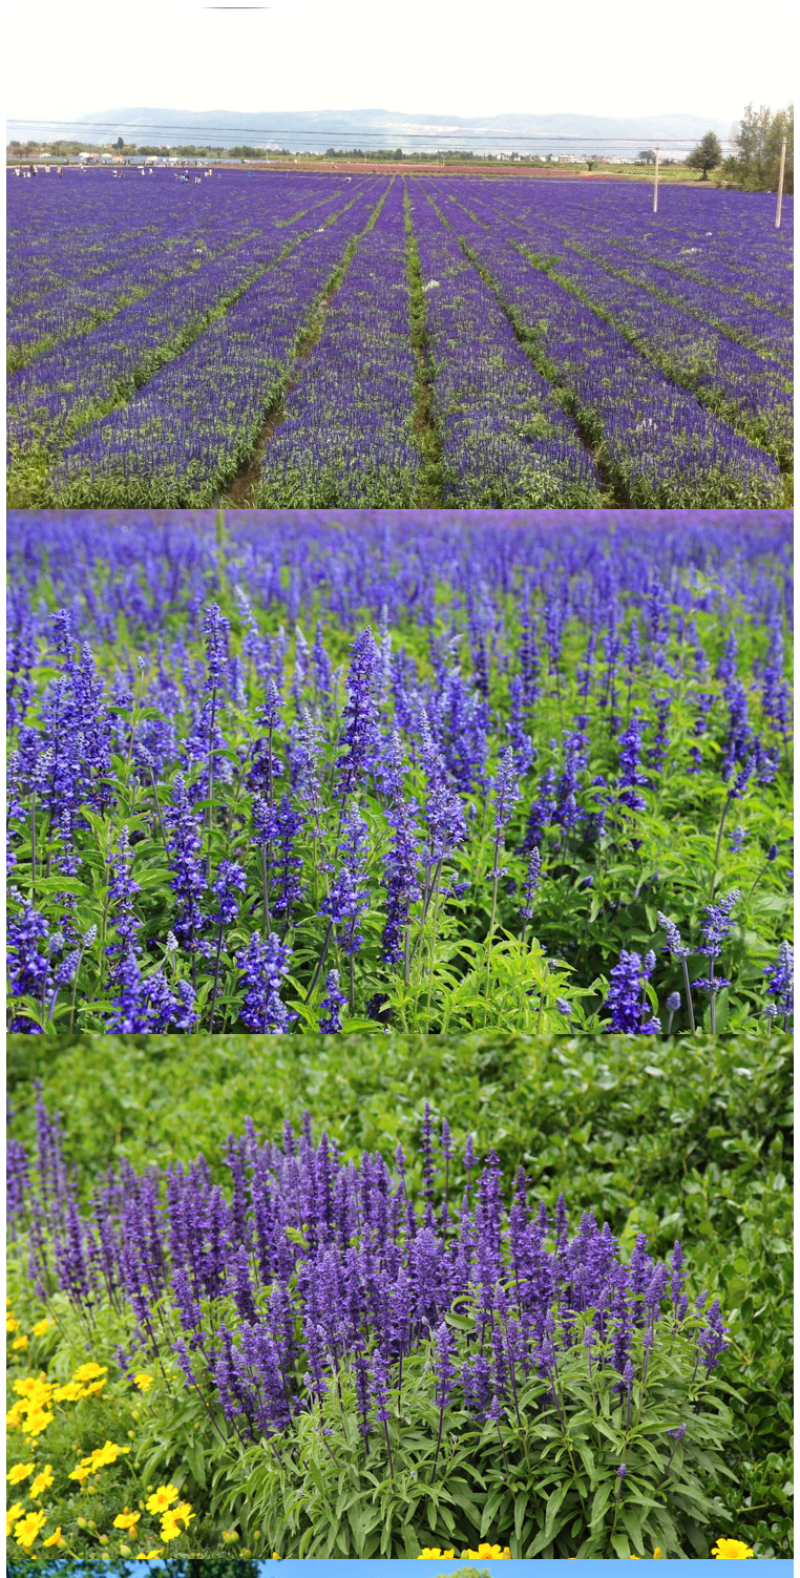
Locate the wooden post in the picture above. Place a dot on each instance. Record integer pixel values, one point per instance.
(780, 186)
(655, 185)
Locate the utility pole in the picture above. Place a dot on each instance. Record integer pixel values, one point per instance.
(655, 185)
(780, 186)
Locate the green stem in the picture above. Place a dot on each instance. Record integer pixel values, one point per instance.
(719, 843)
(433, 935)
(158, 808)
(211, 772)
(265, 883)
(688, 988)
(320, 961)
(215, 987)
(33, 848)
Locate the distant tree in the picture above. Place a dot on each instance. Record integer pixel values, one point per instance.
(172, 1567)
(647, 156)
(120, 143)
(706, 156)
(757, 139)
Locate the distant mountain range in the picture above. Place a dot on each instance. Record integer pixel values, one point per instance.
(307, 130)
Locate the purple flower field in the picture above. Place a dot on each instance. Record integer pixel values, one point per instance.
(284, 772)
(310, 341)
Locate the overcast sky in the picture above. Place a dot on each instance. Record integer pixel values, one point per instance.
(66, 61)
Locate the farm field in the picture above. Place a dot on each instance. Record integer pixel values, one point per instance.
(400, 1296)
(323, 340)
(428, 772)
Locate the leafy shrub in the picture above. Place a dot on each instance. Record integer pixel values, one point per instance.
(300, 1488)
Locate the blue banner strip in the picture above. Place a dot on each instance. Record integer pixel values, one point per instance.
(498, 1568)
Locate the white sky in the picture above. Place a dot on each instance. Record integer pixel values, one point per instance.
(653, 58)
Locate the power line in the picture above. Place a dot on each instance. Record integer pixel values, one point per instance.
(384, 138)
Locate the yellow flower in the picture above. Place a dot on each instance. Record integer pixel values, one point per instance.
(81, 1473)
(20, 1343)
(43, 1481)
(88, 1391)
(55, 1539)
(731, 1548)
(162, 1498)
(106, 1454)
(149, 1556)
(11, 1323)
(143, 1380)
(170, 1530)
(13, 1516)
(38, 1419)
(127, 1519)
(28, 1528)
(182, 1513)
(69, 1393)
(89, 1372)
(35, 1387)
(433, 1550)
(487, 1551)
(15, 1415)
(39, 1330)
(19, 1472)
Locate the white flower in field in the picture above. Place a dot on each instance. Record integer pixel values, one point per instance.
(433, 284)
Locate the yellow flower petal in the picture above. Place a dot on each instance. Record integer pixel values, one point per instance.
(19, 1472)
(13, 1516)
(68, 1393)
(42, 1482)
(162, 1498)
(127, 1519)
(727, 1548)
(89, 1372)
(38, 1421)
(28, 1528)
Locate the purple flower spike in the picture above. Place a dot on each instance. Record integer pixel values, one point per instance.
(780, 977)
(263, 965)
(229, 881)
(630, 1012)
(330, 1022)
